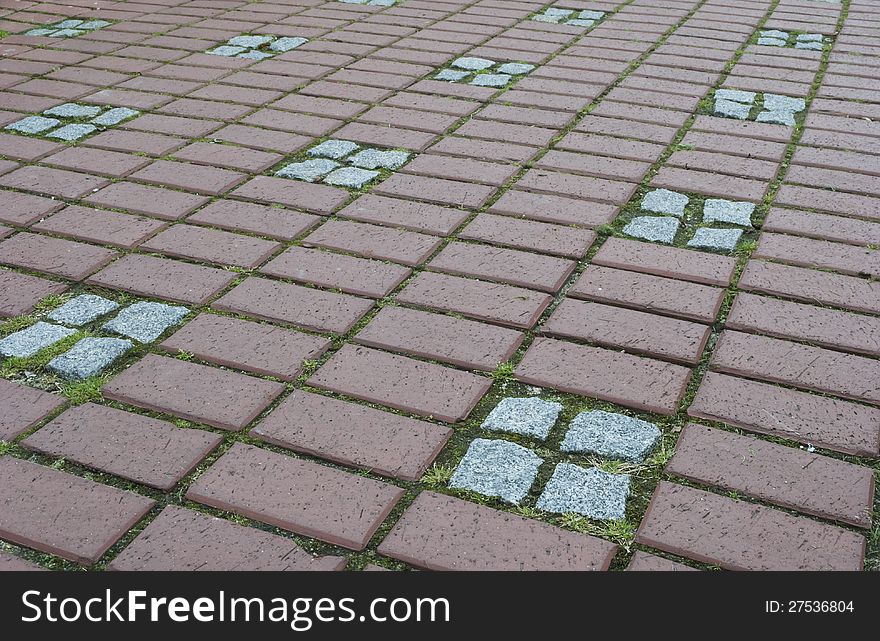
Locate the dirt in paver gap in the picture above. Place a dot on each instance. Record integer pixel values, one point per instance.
(578, 140)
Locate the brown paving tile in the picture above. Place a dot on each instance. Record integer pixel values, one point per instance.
(19, 293)
(273, 222)
(822, 226)
(97, 161)
(435, 190)
(493, 302)
(406, 214)
(440, 532)
(229, 156)
(320, 199)
(181, 539)
(466, 169)
(348, 274)
(743, 536)
(23, 209)
(554, 209)
(807, 418)
(785, 476)
(820, 254)
(212, 245)
(517, 233)
(296, 495)
(162, 278)
(456, 341)
(401, 383)
(54, 255)
(58, 513)
(190, 177)
(263, 139)
(135, 142)
(55, 182)
(628, 330)
(132, 446)
(24, 407)
(644, 562)
(352, 434)
(254, 347)
(633, 381)
(304, 307)
(696, 267)
(147, 200)
(373, 241)
(100, 226)
(193, 392)
(586, 187)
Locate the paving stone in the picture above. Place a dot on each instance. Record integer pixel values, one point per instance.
(654, 228)
(352, 434)
(798, 365)
(322, 199)
(728, 211)
(255, 55)
(114, 116)
(406, 214)
(778, 117)
(772, 42)
(807, 418)
(24, 407)
(349, 274)
(12, 563)
(803, 481)
(631, 381)
(497, 468)
(649, 293)
(180, 539)
(473, 64)
(812, 46)
(351, 177)
(249, 42)
(503, 304)
(73, 110)
(33, 124)
(450, 75)
(460, 342)
(775, 102)
(27, 342)
(88, 357)
(162, 278)
(611, 435)
(145, 321)
(491, 80)
(665, 261)
(55, 182)
(308, 170)
(372, 241)
(285, 44)
(586, 491)
(730, 109)
(644, 562)
(533, 417)
(435, 190)
(510, 266)
(273, 222)
(253, 347)
(58, 513)
(304, 307)
(297, 495)
(72, 132)
(717, 239)
(19, 293)
(439, 532)
(219, 247)
(82, 310)
(401, 383)
(743, 536)
(193, 392)
(526, 234)
(663, 201)
(515, 68)
(152, 201)
(377, 158)
(335, 149)
(23, 209)
(132, 446)
(54, 255)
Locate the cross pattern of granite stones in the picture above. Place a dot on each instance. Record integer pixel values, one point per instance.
(777, 38)
(256, 47)
(482, 72)
(672, 206)
(745, 105)
(71, 121)
(344, 163)
(142, 321)
(68, 28)
(572, 17)
(507, 470)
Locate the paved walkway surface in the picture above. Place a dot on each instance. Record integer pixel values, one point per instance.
(491, 284)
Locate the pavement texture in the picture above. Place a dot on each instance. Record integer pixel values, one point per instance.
(449, 285)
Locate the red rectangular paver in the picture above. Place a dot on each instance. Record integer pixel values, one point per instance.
(273, 222)
(373, 241)
(180, 539)
(406, 214)
(302, 306)
(191, 177)
(254, 347)
(402, 383)
(742, 536)
(163, 278)
(212, 245)
(297, 495)
(493, 302)
(672, 262)
(194, 392)
(352, 434)
(56, 182)
(100, 226)
(62, 514)
(133, 446)
(823, 226)
(24, 407)
(649, 293)
(807, 418)
(644, 562)
(586, 187)
(460, 342)
(628, 330)
(321, 199)
(634, 381)
(440, 532)
(54, 255)
(821, 254)
(554, 209)
(789, 477)
(147, 200)
(18, 208)
(519, 233)
(435, 190)
(19, 293)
